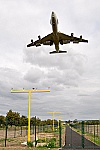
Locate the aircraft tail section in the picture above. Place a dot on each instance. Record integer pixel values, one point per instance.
(53, 52)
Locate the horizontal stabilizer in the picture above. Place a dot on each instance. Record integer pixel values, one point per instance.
(53, 52)
(62, 51)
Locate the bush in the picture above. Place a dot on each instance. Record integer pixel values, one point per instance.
(51, 143)
(42, 140)
(30, 144)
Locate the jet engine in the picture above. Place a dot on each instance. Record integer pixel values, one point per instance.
(48, 43)
(72, 34)
(31, 40)
(39, 37)
(75, 42)
(64, 42)
(38, 44)
(80, 37)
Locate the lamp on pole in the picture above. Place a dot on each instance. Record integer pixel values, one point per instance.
(52, 113)
(30, 91)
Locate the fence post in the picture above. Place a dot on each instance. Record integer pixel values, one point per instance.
(30, 129)
(33, 128)
(6, 130)
(60, 133)
(82, 134)
(35, 132)
(15, 130)
(20, 127)
(26, 129)
(94, 134)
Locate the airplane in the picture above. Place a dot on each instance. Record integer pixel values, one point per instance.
(56, 37)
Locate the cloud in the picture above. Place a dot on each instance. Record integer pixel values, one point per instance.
(34, 75)
(57, 69)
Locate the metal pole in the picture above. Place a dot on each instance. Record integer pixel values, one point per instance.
(58, 123)
(35, 132)
(71, 136)
(82, 134)
(21, 130)
(29, 99)
(6, 130)
(59, 118)
(94, 134)
(26, 129)
(60, 133)
(15, 131)
(33, 128)
(53, 120)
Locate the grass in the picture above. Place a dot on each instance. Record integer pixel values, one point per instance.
(43, 148)
(89, 136)
(96, 140)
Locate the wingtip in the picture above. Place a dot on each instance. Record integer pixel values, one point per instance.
(28, 45)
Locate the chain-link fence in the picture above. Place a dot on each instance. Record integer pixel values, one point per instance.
(81, 135)
(45, 135)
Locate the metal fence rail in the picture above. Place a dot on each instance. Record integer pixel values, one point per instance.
(82, 136)
(43, 133)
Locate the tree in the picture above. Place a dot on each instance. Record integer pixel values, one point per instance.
(43, 122)
(2, 121)
(23, 121)
(49, 122)
(38, 121)
(13, 118)
(75, 121)
(32, 120)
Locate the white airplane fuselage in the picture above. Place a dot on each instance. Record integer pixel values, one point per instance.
(54, 23)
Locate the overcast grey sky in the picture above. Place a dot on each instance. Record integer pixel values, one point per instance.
(73, 78)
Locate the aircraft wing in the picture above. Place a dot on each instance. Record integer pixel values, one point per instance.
(68, 38)
(45, 40)
(49, 37)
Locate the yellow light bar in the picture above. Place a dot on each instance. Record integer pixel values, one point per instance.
(29, 91)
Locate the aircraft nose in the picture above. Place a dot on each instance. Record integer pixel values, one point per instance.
(52, 14)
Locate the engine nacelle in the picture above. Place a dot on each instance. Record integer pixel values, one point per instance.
(64, 42)
(80, 37)
(75, 42)
(31, 40)
(39, 37)
(48, 43)
(38, 44)
(72, 34)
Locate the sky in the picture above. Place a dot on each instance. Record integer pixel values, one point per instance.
(73, 78)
